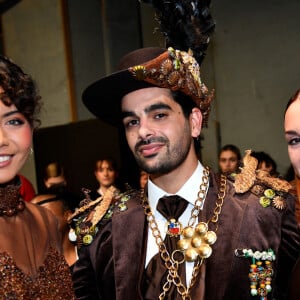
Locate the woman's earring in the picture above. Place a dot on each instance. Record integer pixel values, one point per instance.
(31, 151)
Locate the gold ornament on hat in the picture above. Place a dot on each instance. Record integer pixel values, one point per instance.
(178, 71)
(139, 72)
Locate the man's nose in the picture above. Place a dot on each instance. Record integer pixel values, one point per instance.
(145, 129)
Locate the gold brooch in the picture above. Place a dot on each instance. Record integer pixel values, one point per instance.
(196, 242)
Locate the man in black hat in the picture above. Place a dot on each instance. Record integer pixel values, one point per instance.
(212, 237)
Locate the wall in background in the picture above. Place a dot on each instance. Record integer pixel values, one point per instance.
(252, 63)
(255, 54)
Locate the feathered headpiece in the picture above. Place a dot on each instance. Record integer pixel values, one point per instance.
(186, 25)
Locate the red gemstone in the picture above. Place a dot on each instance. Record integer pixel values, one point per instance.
(174, 230)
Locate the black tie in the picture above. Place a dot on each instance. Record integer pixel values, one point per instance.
(171, 207)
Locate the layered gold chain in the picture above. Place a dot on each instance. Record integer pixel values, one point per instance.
(170, 261)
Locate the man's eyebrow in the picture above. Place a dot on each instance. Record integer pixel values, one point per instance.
(147, 110)
(126, 114)
(157, 106)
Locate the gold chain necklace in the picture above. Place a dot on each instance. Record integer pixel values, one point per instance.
(193, 238)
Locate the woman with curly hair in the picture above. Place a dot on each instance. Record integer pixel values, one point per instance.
(32, 265)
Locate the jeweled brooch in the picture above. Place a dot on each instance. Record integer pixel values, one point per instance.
(261, 271)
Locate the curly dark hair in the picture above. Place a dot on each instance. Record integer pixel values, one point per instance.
(20, 90)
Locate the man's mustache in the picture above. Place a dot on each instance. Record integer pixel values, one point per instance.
(149, 141)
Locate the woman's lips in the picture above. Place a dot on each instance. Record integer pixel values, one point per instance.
(5, 160)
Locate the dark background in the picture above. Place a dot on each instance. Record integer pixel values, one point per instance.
(77, 146)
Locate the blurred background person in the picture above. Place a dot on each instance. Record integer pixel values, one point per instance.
(62, 210)
(106, 173)
(56, 183)
(229, 159)
(265, 163)
(54, 177)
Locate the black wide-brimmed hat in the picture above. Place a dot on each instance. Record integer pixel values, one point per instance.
(142, 68)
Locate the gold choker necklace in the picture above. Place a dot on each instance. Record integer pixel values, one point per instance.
(194, 245)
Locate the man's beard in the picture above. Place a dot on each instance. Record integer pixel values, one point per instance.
(167, 162)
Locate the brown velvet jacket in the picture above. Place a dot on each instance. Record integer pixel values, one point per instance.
(113, 265)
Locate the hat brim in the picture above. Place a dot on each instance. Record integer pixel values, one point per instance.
(103, 97)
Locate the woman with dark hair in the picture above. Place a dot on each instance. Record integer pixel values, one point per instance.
(229, 159)
(265, 163)
(106, 173)
(292, 136)
(292, 131)
(31, 260)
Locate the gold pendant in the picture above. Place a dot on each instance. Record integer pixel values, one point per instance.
(196, 242)
(173, 227)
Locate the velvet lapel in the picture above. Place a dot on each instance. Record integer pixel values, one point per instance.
(128, 240)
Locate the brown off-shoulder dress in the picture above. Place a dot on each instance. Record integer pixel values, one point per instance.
(32, 265)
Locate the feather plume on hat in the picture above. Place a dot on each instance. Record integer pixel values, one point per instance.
(186, 25)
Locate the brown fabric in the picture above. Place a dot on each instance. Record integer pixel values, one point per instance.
(26, 240)
(117, 272)
(296, 192)
(294, 290)
(112, 266)
(297, 205)
(198, 290)
(171, 207)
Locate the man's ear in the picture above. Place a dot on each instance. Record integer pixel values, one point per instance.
(196, 122)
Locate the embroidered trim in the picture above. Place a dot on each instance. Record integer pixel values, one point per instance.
(176, 70)
(86, 218)
(270, 190)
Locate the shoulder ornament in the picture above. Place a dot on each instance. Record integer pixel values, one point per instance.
(86, 219)
(270, 190)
